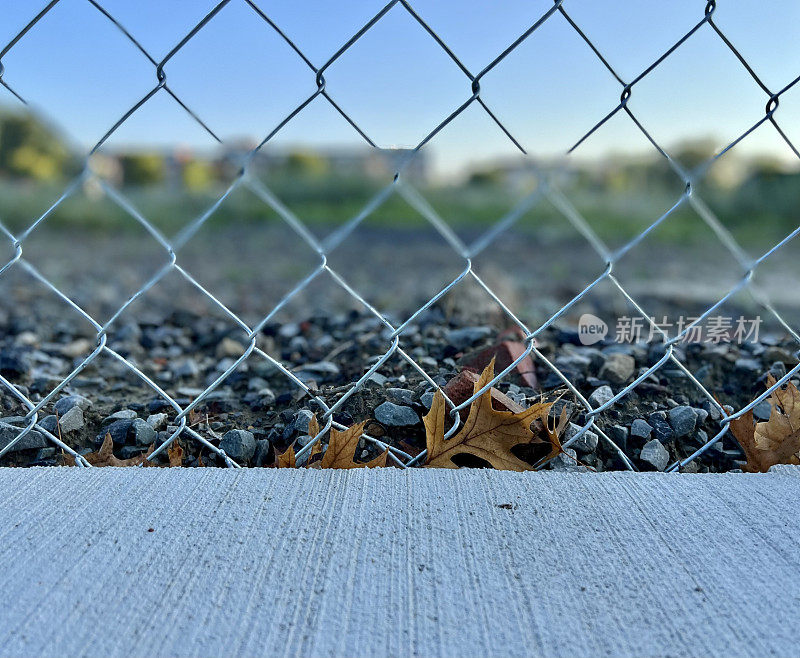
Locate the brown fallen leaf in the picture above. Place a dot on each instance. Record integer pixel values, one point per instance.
(487, 433)
(175, 454)
(286, 459)
(340, 453)
(341, 450)
(105, 456)
(775, 441)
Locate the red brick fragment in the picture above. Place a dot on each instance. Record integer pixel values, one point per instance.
(505, 353)
(462, 386)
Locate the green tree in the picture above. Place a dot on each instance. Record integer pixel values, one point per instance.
(305, 163)
(29, 149)
(140, 169)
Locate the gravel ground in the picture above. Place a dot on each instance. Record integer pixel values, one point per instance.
(179, 339)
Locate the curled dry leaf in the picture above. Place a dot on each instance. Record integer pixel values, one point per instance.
(775, 441)
(105, 456)
(342, 447)
(340, 453)
(175, 454)
(487, 433)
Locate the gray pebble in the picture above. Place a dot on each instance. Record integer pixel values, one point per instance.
(752, 366)
(118, 431)
(49, 423)
(711, 408)
(72, 420)
(261, 453)
(618, 368)
(600, 396)
(762, 410)
(566, 463)
(655, 454)
(586, 443)
(682, 420)
(187, 368)
(65, 404)
(400, 396)
(427, 399)
(239, 445)
(33, 440)
(641, 429)
(142, 432)
(122, 414)
(301, 420)
(157, 421)
(395, 415)
(619, 435)
(466, 337)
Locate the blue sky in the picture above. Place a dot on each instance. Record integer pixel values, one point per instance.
(79, 71)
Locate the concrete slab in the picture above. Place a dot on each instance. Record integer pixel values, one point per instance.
(206, 562)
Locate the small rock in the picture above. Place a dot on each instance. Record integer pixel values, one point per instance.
(157, 421)
(619, 435)
(618, 368)
(600, 396)
(301, 420)
(67, 403)
(749, 366)
(122, 414)
(72, 420)
(400, 396)
(567, 463)
(641, 429)
(427, 399)
(266, 397)
(14, 363)
(261, 455)
(118, 431)
(187, 368)
(655, 454)
(126, 452)
(239, 445)
(712, 409)
(702, 415)
(228, 347)
(45, 453)
(79, 347)
(289, 330)
(142, 432)
(466, 337)
(762, 410)
(378, 379)
(662, 430)
(49, 423)
(33, 440)
(395, 415)
(585, 444)
(682, 420)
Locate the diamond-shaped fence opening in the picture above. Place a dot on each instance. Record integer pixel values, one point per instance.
(249, 215)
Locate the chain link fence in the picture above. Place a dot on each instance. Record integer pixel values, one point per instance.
(547, 191)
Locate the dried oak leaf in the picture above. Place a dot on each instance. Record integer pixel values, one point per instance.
(775, 441)
(175, 454)
(105, 456)
(340, 453)
(341, 450)
(487, 433)
(286, 459)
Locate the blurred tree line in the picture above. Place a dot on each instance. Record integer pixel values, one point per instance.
(333, 186)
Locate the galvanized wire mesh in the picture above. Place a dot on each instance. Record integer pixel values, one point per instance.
(547, 190)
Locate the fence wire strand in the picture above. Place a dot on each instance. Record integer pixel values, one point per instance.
(547, 191)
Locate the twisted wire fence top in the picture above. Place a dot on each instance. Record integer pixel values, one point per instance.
(547, 191)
